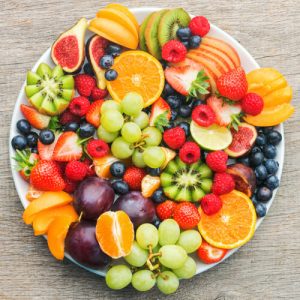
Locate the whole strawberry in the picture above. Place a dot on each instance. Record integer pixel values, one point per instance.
(186, 215)
(223, 183)
(174, 137)
(84, 84)
(166, 209)
(133, 177)
(252, 104)
(217, 161)
(211, 204)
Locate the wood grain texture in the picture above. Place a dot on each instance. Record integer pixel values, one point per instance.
(268, 267)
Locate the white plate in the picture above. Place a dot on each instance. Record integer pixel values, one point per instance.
(248, 63)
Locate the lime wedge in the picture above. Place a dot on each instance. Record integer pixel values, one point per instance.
(213, 137)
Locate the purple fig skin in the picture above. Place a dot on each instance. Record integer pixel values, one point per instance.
(139, 209)
(93, 197)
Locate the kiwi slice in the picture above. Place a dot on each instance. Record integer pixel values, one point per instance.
(142, 29)
(170, 22)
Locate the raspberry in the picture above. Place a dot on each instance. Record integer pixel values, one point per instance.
(133, 177)
(97, 148)
(223, 184)
(98, 94)
(217, 161)
(252, 104)
(84, 84)
(67, 117)
(211, 204)
(71, 185)
(91, 168)
(79, 106)
(203, 115)
(166, 209)
(199, 26)
(189, 153)
(174, 137)
(186, 215)
(76, 170)
(173, 51)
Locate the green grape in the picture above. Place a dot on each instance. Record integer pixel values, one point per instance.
(167, 282)
(143, 280)
(106, 136)
(132, 104)
(138, 256)
(112, 120)
(121, 149)
(154, 157)
(137, 158)
(110, 105)
(172, 256)
(142, 120)
(168, 232)
(131, 132)
(190, 240)
(152, 136)
(188, 270)
(118, 277)
(147, 235)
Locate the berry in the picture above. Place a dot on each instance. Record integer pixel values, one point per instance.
(120, 187)
(185, 44)
(111, 75)
(264, 194)
(174, 101)
(86, 130)
(84, 84)
(199, 26)
(195, 41)
(168, 90)
(79, 106)
(23, 126)
(217, 161)
(183, 33)
(76, 170)
(174, 51)
(73, 126)
(255, 149)
(261, 172)
(36, 119)
(223, 184)
(211, 204)
(166, 209)
(271, 166)
(270, 151)
(203, 115)
(174, 137)
(274, 137)
(34, 150)
(186, 215)
(272, 182)
(186, 127)
(153, 172)
(156, 222)
(267, 130)
(93, 114)
(67, 117)
(261, 210)
(256, 159)
(254, 200)
(252, 104)
(244, 160)
(260, 140)
(209, 254)
(158, 196)
(134, 176)
(98, 94)
(117, 169)
(71, 185)
(46, 136)
(87, 69)
(189, 153)
(106, 61)
(90, 167)
(32, 139)
(184, 111)
(113, 49)
(174, 115)
(97, 148)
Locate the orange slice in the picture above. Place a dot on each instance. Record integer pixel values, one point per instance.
(102, 165)
(149, 185)
(138, 72)
(233, 225)
(115, 233)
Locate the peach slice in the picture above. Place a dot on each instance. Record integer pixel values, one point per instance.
(277, 97)
(45, 201)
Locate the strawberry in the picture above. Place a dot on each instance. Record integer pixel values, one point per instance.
(209, 254)
(225, 112)
(84, 84)
(67, 147)
(166, 209)
(46, 151)
(93, 114)
(186, 215)
(46, 176)
(25, 162)
(36, 119)
(133, 176)
(160, 114)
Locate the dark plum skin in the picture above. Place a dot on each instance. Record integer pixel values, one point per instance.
(139, 209)
(82, 245)
(93, 197)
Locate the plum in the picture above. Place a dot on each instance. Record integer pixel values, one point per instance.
(139, 209)
(82, 245)
(93, 197)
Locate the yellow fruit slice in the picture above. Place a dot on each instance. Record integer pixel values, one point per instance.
(149, 185)
(283, 95)
(170, 154)
(102, 165)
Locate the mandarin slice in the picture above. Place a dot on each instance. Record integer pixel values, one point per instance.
(102, 165)
(283, 95)
(149, 185)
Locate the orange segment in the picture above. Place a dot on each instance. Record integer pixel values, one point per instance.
(149, 185)
(115, 233)
(103, 164)
(170, 154)
(138, 72)
(283, 95)
(233, 225)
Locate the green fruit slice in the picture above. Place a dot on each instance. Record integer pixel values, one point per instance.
(142, 29)
(213, 137)
(197, 194)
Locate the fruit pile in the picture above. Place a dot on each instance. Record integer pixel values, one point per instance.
(148, 144)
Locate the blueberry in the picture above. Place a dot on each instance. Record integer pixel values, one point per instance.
(244, 160)
(32, 139)
(260, 140)
(198, 102)
(111, 75)
(168, 90)
(184, 33)
(255, 149)
(186, 44)
(158, 196)
(86, 130)
(156, 222)
(272, 182)
(261, 172)
(256, 159)
(72, 126)
(23, 126)
(163, 63)
(186, 127)
(174, 115)
(261, 210)
(19, 142)
(254, 200)
(88, 69)
(274, 137)
(46, 136)
(113, 49)
(153, 172)
(264, 194)
(194, 41)
(34, 150)
(106, 61)
(174, 101)
(266, 130)
(271, 166)
(117, 169)
(270, 151)
(120, 187)
(184, 111)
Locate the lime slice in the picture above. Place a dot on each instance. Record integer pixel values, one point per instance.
(213, 137)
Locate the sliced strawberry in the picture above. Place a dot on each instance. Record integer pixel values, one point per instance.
(36, 119)
(209, 254)
(224, 111)
(46, 151)
(67, 147)
(160, 113)
(93, 114)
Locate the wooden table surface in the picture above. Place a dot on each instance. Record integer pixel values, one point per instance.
(268, 267)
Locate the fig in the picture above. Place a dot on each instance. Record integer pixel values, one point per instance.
(68, 50)
(242, 140)
(244, 178)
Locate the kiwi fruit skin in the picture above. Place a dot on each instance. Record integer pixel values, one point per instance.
(170, 22)
(142, 29)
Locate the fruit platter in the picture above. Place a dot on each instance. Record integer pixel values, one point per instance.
(147, 145)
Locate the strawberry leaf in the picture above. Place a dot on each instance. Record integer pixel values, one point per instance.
(199, 86)
(236, 121)
(162, 121)
(54, 124)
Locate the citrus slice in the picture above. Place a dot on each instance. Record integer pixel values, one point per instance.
(233, 225)
(115, 234)
(213, 137)
(138, 72)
